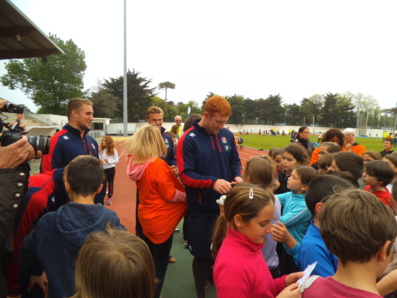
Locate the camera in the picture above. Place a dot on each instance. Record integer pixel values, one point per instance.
(15, 132)
(9, 107)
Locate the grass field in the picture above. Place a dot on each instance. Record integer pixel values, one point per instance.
(266, 142)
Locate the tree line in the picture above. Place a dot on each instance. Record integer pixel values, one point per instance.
(51, 82)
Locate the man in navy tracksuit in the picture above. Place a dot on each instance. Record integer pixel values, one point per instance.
(155, 115)
(73, 139)
(208, 162)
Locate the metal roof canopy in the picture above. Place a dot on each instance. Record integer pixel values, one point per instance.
(20, 37)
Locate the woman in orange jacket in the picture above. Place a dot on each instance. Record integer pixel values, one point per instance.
(162, 196)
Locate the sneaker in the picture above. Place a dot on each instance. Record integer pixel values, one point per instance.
(109, 202)
(185, 244)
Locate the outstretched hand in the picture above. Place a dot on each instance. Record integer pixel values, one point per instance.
(222, 186)
(280, 234)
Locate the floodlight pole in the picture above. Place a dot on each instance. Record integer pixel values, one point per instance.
(125, 114)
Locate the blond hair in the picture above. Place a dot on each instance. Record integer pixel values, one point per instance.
(145, 143)
(75, 104)
(153, 110)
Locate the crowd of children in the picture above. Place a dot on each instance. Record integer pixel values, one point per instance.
(336, 214)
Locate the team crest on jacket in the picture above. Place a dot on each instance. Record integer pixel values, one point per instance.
(224, 141)
(166, 143)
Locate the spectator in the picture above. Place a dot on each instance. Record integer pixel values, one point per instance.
(240, 270)
(58, 236)
(303, 138)
(178, 126)
(350, 144)
(13, 185)
(331, 135)
(371, 155)
(122, 264)
(387, 146)
(345, 221)
(162, 196)
(109, 157)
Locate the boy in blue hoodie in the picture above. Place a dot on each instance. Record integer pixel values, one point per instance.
(53, 244)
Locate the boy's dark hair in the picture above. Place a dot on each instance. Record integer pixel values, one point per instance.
(84, 174)
(355, 224)
(346, 176)
(373, 154)
(275, 151)
(321, 187)
(350, 162)
(261, 171)
(392, 158)
(306, 173)
(389, 140)
(325, 161)
(170, 134)
(189, 121)
(298, 152)
(381, 170)
(331, 147)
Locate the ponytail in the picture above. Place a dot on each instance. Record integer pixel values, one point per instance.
(219, 235)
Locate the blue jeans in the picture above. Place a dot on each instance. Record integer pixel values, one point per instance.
(161, 254)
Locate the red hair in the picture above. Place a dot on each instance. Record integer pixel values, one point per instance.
(218, 104)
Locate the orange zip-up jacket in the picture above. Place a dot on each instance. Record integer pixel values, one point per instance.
(162, 201)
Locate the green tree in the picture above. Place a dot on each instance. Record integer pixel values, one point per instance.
(140, 95)
(250, 111)
(52, 82)
(312, 107)
(271, 110)
(338, 111)
(237, 104)
(295, 115)
(105, 104)
(182, 109)
(169, 109)
(166, 85)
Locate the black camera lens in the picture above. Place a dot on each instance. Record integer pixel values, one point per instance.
(13, 108)
(40, 143)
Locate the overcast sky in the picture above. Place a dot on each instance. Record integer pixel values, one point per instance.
(294, 48)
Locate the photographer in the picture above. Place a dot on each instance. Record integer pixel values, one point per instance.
(13, 184)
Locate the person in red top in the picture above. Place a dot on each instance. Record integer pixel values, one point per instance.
(240, 269)
(162, 196)
(376, 176)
